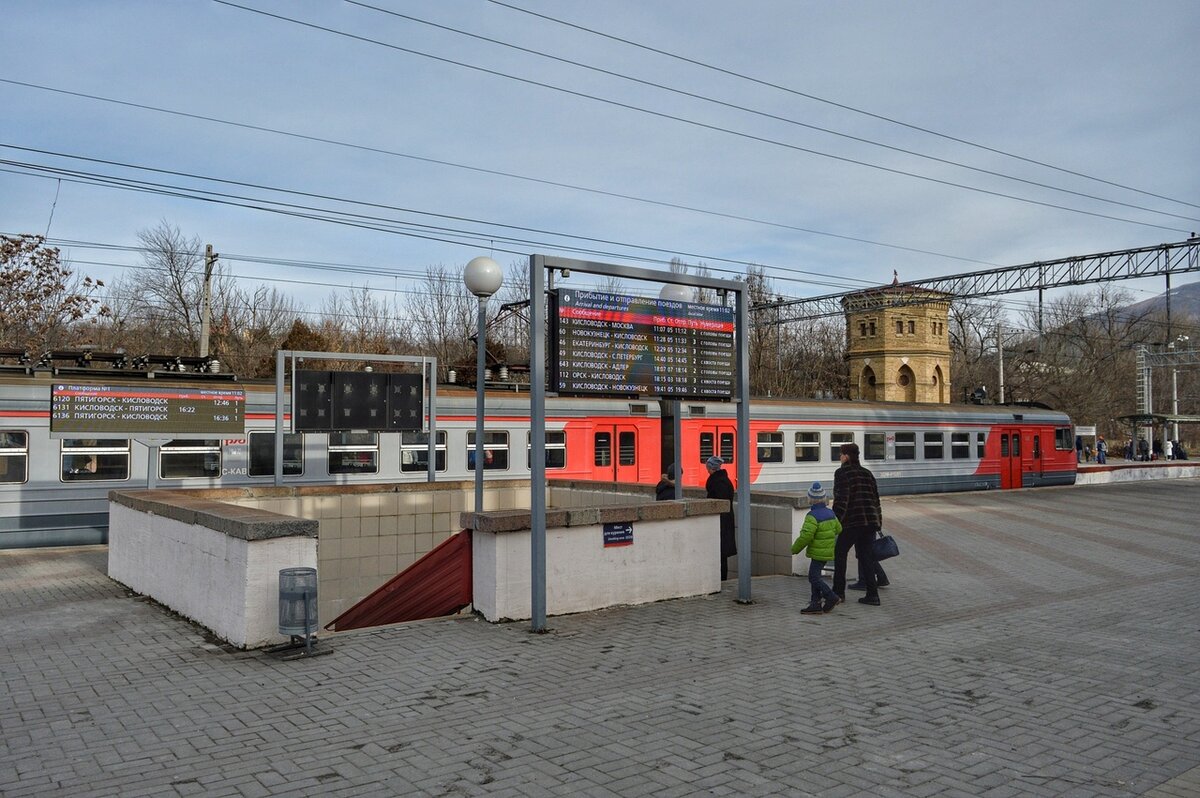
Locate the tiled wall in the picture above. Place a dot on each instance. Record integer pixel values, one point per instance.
(367, 538)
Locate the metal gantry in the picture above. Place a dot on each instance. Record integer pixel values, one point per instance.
(1127, 264)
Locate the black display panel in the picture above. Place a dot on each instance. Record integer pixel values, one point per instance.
(406, 402)
(311, 403)
(602, 343)
(360, 400)
(326, 401)
(146, 409)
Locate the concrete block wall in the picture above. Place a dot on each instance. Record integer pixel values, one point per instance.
(212, 563)
(775, 518)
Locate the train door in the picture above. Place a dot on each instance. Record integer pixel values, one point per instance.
(718, 439)
(615, 452)
(1010, 458)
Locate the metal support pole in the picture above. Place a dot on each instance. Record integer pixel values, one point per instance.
(479, 367)
(677, 446)
(1175, 401)
(537, 443)
(742, 516)
(1000, 358)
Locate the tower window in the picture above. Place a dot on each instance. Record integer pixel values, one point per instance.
(899, 327)
(912, 327)
(862, 329)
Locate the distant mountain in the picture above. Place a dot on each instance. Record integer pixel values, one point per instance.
(1185, 301)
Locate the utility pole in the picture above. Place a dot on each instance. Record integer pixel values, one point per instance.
(210, 260)
(1000, 357)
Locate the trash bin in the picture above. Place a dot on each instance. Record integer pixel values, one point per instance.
(298, 601)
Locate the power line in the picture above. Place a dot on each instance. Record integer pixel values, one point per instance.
(493, 172)
(311, 212)
(763, 114)
(843, 106)
(703, 125)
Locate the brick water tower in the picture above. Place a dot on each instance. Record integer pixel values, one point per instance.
(897, 347)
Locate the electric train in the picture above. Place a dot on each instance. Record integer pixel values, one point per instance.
(53, 491)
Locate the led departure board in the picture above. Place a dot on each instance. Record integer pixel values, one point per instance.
(602, 343)
(146, 409)
(358, 400)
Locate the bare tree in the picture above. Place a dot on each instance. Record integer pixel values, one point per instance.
(443, 316)
(170, 288)
(972, 328)
(41, 300)
(248, 327)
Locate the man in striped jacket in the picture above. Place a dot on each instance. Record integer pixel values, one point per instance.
(856, 505)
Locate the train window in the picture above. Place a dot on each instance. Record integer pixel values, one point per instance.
(1004, 446)
(770, 447)
(836, 439)
(707, 449)
(495, 451)
(414, 451)
(935, 445)
(1016, 444)
(960, 445)
(726, 452)
(353, 453)
(1037, 446)
(626, 448)
(556, 449)
(95, 459)
(190, 459)
(604, 448)
(14, 456)
(262, 454)
(874, 446)
(808, 447)
(906, 446)
(980, 444)
(1063, 440)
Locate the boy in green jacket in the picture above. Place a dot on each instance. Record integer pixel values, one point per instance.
(819, 535)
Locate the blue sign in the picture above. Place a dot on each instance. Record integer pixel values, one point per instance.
(618, 534)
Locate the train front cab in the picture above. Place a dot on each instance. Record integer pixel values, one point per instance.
(1034, 456)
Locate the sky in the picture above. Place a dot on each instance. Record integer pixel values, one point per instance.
(832, 143)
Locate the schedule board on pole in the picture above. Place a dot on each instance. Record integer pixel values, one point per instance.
(604, 343)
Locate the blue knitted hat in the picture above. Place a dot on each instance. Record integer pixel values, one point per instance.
(816, 493)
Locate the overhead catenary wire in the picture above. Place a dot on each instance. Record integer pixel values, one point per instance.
(803, 276)
(695, 123)
(846, 107)
(494, 172)
(759, 113)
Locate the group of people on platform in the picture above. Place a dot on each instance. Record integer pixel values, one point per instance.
(1145, 451)
(826, 534)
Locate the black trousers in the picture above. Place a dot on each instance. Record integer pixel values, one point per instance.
(860, 540)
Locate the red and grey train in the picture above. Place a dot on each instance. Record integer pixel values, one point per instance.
(53, 491)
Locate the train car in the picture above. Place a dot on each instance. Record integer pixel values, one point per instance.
(53, 491)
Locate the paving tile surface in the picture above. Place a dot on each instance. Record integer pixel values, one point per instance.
(1033, 643)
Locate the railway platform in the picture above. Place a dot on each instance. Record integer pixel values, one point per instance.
(1032, 643)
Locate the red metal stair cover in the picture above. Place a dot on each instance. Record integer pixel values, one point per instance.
(437, 584)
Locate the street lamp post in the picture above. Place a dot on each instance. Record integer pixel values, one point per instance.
(1183, 339)
(483, 277)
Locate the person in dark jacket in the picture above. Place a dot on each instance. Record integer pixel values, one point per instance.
(664, 491)
(718, 486)
(856, 505)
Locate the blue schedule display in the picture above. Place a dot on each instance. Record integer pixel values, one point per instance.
(602, 343)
